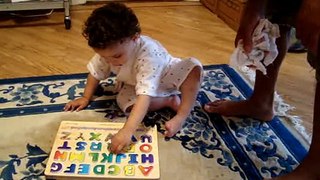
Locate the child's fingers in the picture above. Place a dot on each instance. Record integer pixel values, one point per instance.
(120, 147)
(66, 107)
(116, 148)
(113, 148)
(80, 107)
(72, 108)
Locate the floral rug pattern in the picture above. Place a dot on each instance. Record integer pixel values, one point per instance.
(248, 147)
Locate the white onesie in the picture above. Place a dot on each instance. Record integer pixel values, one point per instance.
(151, 71)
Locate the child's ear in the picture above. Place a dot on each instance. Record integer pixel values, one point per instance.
(136, 36)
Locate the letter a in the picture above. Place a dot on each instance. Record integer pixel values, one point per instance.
(145, 170)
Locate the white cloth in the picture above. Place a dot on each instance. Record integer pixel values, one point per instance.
(151, 71)
(264, 49)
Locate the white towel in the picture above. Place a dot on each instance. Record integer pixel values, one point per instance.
(264, 49)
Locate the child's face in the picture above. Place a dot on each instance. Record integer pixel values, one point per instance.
(119, 53)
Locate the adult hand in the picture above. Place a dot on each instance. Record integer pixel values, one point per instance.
(77, 104)
(308, 25)
(250, 19)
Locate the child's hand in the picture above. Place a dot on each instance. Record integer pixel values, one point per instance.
(77, 104)
(120, 141)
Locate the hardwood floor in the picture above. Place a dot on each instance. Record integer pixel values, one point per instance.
(42, 46)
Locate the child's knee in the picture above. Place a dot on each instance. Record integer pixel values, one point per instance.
(196, 73)
(193, 79)
(197, 70)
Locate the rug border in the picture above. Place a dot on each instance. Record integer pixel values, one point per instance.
(42, 78)
(291, 143)
(237, 151)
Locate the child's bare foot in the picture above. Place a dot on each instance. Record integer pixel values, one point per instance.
(241, 108)
(173, 125)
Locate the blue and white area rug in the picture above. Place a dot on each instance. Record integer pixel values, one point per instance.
(208, 147)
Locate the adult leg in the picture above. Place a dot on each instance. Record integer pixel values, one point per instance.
(260, 104)
(189, 90)
(310, 167)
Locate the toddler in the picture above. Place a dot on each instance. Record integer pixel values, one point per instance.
(150, 77)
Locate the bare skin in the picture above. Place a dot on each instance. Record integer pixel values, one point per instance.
(172, 102)
(119, 51)
(259, 105)
(82, 102)
(308, 31)
(189, 90)
(309, 168)
(183, 106)
(240, 108)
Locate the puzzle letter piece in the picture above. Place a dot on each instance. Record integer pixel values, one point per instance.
(145, 170)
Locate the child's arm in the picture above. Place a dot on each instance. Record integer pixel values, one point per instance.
(80, 103)
(123, 137)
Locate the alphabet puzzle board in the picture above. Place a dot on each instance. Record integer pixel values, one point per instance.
(80, 150)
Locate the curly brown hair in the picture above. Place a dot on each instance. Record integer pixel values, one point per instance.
(110, 24)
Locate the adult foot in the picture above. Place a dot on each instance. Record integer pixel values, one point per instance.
(240, 108)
